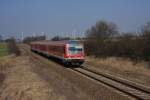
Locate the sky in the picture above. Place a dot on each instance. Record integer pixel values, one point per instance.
(69, 17)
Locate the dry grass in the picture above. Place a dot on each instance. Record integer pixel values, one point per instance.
(23, 84)
(135, 70)
(6, 62)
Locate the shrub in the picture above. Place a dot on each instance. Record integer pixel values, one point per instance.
(12, 47)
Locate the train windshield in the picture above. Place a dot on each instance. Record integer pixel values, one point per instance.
(75, 49)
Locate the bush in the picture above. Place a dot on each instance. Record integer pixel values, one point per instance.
(12, 47)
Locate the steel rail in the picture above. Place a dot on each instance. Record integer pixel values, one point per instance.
(116, 84)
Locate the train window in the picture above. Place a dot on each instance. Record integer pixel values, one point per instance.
(75, 50)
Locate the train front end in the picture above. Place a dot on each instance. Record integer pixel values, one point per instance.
(74, 53)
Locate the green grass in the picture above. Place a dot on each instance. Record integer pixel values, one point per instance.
(3, 49)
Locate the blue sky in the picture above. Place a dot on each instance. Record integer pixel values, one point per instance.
(63, 17)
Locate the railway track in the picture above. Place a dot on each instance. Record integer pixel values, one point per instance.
(127, 87)
(135, 91)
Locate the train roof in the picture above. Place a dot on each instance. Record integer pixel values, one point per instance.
(48, 42)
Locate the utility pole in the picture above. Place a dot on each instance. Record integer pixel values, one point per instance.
(74, 34)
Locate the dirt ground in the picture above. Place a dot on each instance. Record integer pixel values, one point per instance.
(134, 71)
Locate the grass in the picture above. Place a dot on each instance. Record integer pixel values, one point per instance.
(3, 49)
(137, 71)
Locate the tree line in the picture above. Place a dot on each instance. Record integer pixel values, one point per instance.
(29, 39)
(104, 40)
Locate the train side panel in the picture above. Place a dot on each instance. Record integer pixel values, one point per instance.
(56, 50)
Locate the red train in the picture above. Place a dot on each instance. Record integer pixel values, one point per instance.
(70, 52)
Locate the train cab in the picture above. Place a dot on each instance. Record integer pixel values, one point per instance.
(74, 53)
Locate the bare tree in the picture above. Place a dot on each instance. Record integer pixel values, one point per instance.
(102, 30)
(146, 31)
(98, 35)
(58, 38)
(28, 40)
(146, 38)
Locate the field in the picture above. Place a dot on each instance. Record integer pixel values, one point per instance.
(135, 71)
(3, 49)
